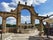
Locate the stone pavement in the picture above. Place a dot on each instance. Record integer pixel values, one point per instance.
(30, 36)
(24, 37)
(12, 36)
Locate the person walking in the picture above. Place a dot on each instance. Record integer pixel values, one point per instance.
(47, 29)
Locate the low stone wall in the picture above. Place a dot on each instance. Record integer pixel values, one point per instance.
(24, 31)
(11, 29)
(14, 30)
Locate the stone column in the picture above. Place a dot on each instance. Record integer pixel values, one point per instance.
(16, 27)
(19, 18)
(18, 21)
(32, 20)
(41, 27)
(3, 24)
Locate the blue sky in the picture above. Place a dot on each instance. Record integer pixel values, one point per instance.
(42, 7)
(5, 1)
(45, 7)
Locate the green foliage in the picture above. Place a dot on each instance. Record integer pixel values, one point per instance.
(37, 25)
(9, 25)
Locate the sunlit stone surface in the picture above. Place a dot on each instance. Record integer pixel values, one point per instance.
(12, 36)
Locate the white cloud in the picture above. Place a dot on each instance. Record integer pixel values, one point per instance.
(41, 1)
(12, 20)
(49, 14)
(25, 19)
(45, 14)
(50, 19)
(29, 2)
(17, 1)
(38, 2)
(6, 6)
(37, 21)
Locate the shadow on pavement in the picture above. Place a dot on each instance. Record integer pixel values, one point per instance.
(39, 38)
(35, 38)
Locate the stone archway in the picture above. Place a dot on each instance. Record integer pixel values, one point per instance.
(31, 10)
(16, 13)
(11, 25)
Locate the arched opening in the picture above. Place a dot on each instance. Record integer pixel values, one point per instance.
(0, 22)
(25, 16)
(10, 22)
(11, 25)
(37, 23)
(44, 24)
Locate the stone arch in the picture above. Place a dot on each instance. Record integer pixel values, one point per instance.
(31, 10)
(51, 15)
(26, 9)
(11, 24)
(16, 13)
(10, 16)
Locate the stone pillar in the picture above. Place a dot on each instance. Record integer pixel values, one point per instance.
(3, 25)
(32, 20)
(19, 18)
(18, 21)
(41, 27)
(17, 27)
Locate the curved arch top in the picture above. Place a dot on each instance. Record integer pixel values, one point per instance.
(30, 8)
(51, 15)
